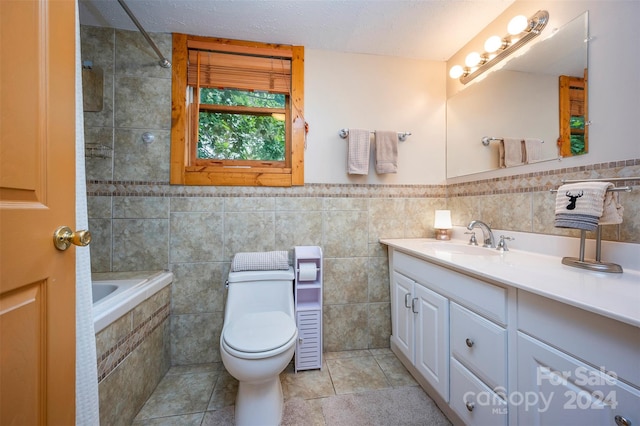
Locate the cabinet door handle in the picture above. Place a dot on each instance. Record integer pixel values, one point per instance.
(413, 305)
(469, 342)
(470, 406)
(406, 300)
(621, 421)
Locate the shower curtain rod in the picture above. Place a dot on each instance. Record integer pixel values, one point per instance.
(164, 62)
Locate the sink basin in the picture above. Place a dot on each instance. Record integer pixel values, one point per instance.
(454, 248)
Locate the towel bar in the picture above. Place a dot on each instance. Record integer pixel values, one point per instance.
(618, 189)
(402, 136)
(486, 140)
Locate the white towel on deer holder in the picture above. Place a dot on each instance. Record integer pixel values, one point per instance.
(580, 205)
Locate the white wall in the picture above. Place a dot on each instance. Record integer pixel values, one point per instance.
(344, 90)
(614, 80)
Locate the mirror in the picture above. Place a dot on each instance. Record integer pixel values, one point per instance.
(521, 99)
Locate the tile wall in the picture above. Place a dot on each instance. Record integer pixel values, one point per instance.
(140, 222)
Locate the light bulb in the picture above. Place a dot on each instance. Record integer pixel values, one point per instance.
(492, 44)
(472, 59)
(517, 25)
(456, 71)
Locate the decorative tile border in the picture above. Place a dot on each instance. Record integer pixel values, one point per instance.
(112, 357)
(162, 189)
(526, 182)
(546, 180)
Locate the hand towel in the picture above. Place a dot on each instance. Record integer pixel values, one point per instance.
(612, 210)
(386, 151)
(513, 152)
(532, 150)
(580, 205)
(501, 154)
(358, 155)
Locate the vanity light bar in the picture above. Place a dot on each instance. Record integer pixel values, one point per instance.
(534, 27)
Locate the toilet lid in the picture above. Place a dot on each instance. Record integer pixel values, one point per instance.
(260, 332)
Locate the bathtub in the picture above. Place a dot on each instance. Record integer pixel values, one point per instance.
(116, 293)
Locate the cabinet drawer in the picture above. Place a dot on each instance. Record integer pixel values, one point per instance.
(487, 299)
(600, 341)
(480, 345)
(473, 401)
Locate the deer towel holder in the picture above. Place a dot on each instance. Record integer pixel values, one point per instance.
(597, 264)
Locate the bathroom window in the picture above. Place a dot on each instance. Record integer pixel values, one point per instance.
(236, 113)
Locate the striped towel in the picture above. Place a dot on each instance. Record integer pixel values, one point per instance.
(580, 205)
(358, 155)
(260, 261)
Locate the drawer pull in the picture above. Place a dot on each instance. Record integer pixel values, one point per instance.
(470, 405)
(469, 342)
(406, 300)
(621, 421)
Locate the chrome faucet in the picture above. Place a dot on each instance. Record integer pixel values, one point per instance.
(487, 234)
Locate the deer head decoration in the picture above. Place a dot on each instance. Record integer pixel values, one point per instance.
(573, 199)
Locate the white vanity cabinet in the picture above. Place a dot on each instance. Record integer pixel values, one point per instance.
(451, 329)
(575, 367)
(420, 330)
(525, 341)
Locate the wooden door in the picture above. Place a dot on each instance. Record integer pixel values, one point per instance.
(37, 195)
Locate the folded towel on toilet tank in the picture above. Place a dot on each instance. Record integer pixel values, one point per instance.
(260, 261)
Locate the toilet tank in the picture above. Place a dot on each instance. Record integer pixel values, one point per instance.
(260, 291)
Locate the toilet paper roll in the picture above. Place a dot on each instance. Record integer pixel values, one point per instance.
(308, 271)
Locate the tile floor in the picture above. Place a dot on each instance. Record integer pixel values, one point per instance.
(205, 394)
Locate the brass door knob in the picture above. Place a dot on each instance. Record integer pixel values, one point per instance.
(63, 237)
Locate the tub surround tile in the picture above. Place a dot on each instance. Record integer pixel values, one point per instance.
(99, 207)
(142, 244)
(249, 204)
(133, 159)
(99, 167)
(135, 95)
(101, 244)
(135, 57)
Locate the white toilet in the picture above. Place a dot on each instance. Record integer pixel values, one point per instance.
(258, 341)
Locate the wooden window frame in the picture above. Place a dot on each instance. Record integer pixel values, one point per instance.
(186, 170)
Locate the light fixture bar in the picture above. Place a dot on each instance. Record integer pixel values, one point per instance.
(536, 24)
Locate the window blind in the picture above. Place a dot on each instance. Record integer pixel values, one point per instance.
(238, 71)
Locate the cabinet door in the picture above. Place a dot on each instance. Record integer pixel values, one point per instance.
(402, 318)
(432, 338)
(555, 388)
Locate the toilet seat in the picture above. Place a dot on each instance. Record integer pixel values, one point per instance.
(259, 332)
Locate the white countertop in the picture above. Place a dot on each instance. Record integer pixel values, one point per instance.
(613, 295)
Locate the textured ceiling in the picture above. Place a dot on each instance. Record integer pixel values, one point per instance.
(427, 29)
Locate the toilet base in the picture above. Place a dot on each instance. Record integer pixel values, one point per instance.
(259, 404)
